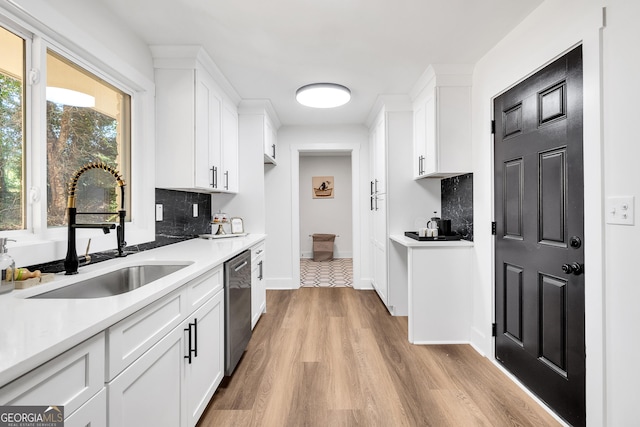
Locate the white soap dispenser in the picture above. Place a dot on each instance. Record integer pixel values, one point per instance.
(7, 267)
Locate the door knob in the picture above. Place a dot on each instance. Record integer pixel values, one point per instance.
(573, 268)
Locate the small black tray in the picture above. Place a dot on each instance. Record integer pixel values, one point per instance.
(414, 235)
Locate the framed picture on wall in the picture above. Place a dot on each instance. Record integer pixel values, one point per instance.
(322, 187)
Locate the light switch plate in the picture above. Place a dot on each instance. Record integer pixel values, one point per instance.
(620, 210)
(158, 212)
(195, 210)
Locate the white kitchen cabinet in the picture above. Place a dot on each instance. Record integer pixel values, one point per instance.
(173, 349)
(390, 137)
(229, 153)
(442, 122)
(258, 288)
(134, 335)
(68, 380)
(204, 370)
(149, 392)
(91, 414)
(196, 123)
(270, 141)
(260, 126)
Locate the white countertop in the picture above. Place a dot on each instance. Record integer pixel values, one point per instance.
(412, 243)
(33, 331)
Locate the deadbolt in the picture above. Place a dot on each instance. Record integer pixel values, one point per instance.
(575, 242)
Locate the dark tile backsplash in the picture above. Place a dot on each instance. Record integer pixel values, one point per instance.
(178, 217)
(457, 204)
(178, 224)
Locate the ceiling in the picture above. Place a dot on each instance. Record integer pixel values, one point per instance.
(267, 49)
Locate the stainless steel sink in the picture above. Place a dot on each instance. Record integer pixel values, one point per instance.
(113, 283)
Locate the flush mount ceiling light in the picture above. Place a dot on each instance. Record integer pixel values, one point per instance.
(323, 95)
(60, 95)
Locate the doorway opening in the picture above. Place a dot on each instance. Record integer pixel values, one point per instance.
(315, 215)
(326, 244)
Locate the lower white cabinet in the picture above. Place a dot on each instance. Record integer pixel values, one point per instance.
(172, 383)
(92, 414)
(161, 365)
(258, 286)
(149, 392)
(70, 380)
(204, 370)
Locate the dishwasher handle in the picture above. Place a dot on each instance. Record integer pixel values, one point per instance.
(241, 266)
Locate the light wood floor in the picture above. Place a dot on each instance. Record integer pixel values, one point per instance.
(335, 357)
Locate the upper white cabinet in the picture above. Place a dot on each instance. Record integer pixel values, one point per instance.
(196, 122)
(263, 128)
(270, 140)
(442, 122)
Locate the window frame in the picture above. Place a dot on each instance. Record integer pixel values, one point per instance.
(38, 243)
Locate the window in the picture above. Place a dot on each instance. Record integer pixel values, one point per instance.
(12, 95)
(87, 121)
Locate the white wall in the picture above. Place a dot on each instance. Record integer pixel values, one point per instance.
(326, 215)
(281, 271)
(611, 150)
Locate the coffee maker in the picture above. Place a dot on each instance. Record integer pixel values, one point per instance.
(443, 225)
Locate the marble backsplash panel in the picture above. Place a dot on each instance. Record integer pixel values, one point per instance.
(457, 204)
(178, 219)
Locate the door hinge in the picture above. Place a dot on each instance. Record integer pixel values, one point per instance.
(494, 329)
(494, 228)
(493, 127)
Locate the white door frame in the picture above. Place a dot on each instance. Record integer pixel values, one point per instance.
(354, 150)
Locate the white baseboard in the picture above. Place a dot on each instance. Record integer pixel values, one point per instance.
(365, 284)
(439, 342)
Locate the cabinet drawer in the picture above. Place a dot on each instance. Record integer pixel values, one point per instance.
(131, 337)
(68, 380)
(93, 413)
(204, 287)
(256, 251)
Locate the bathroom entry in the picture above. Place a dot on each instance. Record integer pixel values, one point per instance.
(326, 215)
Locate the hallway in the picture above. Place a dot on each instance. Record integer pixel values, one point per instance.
(334, 357)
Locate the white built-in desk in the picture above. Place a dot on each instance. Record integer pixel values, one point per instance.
(438, 277)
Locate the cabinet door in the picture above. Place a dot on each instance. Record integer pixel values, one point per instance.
(149, 392)
(204, 370)
(380, 247)
(68, 380)
(431, 136)
(380, 156)
(207, 135)
(419, 138)
(258, 291)
(229, 149)
(270, 141)
(92, 414)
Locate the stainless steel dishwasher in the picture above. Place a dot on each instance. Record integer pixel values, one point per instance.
(237, 309)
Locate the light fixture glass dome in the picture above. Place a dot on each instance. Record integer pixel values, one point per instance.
(323, 95)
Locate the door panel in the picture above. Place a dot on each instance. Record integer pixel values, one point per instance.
(539, 199)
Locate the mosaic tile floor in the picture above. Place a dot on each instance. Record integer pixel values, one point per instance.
(335, 273)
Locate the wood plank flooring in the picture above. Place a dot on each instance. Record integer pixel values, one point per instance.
(335, 357)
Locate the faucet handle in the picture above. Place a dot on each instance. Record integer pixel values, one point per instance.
(86, 258)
